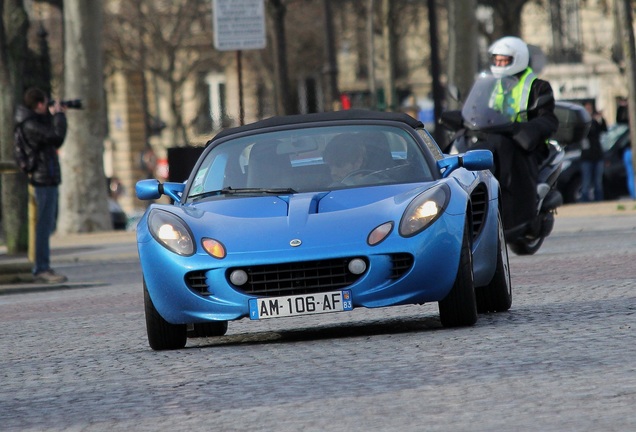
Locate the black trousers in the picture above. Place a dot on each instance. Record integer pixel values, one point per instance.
(517, 171)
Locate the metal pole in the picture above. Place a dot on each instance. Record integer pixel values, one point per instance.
(239, 68)
(371, 65)
(438, 92)
(33, 219)
(389, 55)
(331, 67)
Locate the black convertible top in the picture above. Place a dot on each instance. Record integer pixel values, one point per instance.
(345, 115)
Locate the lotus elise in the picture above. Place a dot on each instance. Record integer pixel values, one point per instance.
(321, 213)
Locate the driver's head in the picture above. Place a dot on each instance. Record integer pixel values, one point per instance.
(344, 154)
(508, 56)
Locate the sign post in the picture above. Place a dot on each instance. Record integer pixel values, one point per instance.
(239, 25)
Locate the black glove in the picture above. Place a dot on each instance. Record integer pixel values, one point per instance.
(526, 136)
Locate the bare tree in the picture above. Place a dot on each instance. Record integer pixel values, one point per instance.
(506, 17)
(167, 39)
(13, 47)
(83, 198)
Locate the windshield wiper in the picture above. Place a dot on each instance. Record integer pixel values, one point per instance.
(238, 191)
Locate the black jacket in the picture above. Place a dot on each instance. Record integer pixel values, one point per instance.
(542, 122)
(591, 149)
(45, 133)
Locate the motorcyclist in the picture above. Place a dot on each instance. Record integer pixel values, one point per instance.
(529, 102)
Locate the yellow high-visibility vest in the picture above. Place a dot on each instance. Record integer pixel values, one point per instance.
(513, 102)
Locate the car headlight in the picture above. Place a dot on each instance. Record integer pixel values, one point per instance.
(424, 210)
(171, 232)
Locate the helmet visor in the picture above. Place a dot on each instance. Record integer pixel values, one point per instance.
(501, 60)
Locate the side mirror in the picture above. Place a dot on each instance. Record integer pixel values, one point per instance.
(478, 160)
(473, 160)
(152, 189)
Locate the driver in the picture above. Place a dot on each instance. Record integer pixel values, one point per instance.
(517, 162)
(344, 155)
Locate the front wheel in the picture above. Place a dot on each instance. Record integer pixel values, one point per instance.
(497, 295)
(161, 334)
(459, 307)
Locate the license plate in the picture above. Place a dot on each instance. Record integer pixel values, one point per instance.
(275, 307)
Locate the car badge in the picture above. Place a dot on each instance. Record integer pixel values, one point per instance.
(295, 243)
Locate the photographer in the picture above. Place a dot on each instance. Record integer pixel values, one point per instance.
(44, 130)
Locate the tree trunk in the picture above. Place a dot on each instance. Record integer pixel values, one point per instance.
(13, 198)
(283, 100)
(83, 198)
(463, 51)
(627, 37)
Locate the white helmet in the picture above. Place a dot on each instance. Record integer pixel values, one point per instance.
(513, 47)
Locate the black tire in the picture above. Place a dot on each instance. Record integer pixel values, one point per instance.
(161, 334)
(459, 307)
(208, 329)
(497, 295)
(526, 245)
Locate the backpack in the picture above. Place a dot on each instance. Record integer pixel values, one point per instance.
(24, 154)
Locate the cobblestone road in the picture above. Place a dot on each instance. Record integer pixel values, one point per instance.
(563, 358)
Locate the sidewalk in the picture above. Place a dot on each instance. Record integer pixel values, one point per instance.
(624, 207)
(15, 270)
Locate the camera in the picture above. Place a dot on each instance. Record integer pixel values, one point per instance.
(71, 103)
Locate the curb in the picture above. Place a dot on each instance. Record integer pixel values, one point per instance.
(16, 270)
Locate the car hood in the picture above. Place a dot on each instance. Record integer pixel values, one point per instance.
(271, 222)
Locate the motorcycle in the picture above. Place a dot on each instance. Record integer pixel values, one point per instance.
(478, 122)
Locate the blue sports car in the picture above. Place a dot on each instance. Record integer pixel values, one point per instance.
(321, 213)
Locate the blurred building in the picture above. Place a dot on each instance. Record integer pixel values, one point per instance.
(578, 39)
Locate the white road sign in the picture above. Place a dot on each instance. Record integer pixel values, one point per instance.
(239, 24)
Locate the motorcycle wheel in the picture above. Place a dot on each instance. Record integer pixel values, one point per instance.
(529, 245)
(526, 245)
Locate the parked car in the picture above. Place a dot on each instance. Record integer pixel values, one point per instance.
(614, 143)
(268, 226)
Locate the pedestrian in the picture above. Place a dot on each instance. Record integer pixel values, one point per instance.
(44, 129)
(592, 157)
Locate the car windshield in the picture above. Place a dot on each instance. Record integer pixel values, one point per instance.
(310, 159)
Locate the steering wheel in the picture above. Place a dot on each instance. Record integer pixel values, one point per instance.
(360, 172)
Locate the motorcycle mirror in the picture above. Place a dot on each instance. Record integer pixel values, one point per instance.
(454, 93)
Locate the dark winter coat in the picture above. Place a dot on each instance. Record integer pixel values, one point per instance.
(591, 149)
(45, 133)
(542, 122)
